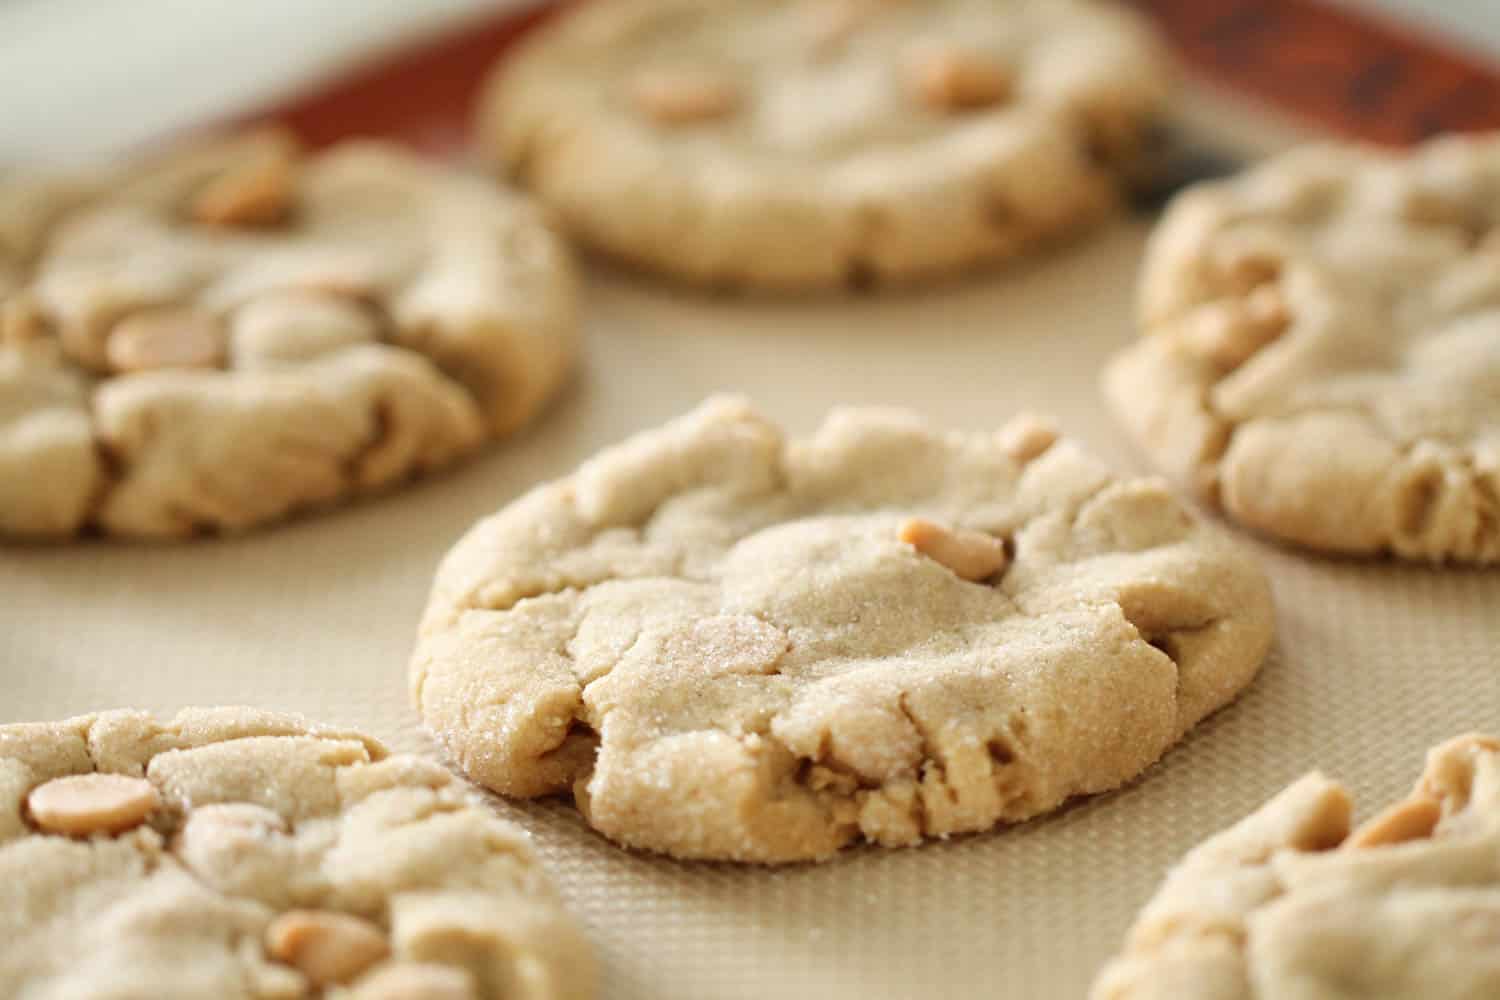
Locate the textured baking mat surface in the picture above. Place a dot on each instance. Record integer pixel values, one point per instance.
(1374, 662)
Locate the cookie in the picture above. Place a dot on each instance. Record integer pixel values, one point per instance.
(804, 144)
(1321, 350)
(232, 853)
(237, 331)
(727, 644)
(1290, 903)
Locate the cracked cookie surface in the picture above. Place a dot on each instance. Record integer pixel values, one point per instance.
(1290, 902)
(800, 144)
(1321, 350)
(728, 644)
(232, 853)
(236, 331)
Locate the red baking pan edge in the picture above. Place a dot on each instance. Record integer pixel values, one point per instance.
(1357, 76)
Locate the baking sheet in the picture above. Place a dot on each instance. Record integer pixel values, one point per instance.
(1374, 662)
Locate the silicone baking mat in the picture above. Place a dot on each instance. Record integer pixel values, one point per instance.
(1374, 661)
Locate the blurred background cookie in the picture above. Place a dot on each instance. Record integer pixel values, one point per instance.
(234, 332)
(1321, 349)
(801, 144)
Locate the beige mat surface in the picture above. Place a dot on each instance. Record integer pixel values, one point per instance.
(1374, 662)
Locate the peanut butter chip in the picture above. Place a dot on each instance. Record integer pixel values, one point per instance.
(1231, 332)
(81, 805)
(1025, 437)
(1430, 208)
(971, 555)
(949, 79)
(326, 947)
(175, 338)
(256, 194)
(683, 97)
(1410, 820)
(1244, 269)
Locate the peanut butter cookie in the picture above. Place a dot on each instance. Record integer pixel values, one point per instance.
(796, 144)
(726, 644)
(1321, 350)
(236, 854)
(237, 331)
(1290, 902)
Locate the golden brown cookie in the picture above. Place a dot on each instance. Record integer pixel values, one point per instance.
(1321, 350)
(725, 643)
(237, 854)
(1293, 902)
(798, 144)
(238, 331)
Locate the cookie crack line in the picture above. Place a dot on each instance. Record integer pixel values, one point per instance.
(900, 616)
(931, 759)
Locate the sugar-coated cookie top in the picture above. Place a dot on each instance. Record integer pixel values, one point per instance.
(729, 644)
(233, 853)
